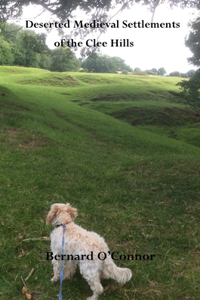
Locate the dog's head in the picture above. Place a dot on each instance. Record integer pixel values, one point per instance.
(61, 214)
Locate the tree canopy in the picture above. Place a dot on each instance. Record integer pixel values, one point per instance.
(105, 64)
(63, 59)
(6, 55)
(161, 71)
(193, 42)
(30, 45)
(191, 88)
(63, 9)
(28, 48)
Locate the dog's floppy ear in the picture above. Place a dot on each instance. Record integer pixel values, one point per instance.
(72, 212)
(51, 214)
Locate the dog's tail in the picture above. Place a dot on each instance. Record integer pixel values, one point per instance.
(110, 270)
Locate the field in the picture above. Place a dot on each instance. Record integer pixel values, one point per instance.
(122, 149)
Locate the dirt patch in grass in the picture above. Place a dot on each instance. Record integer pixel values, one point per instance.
(23, 139)
(12, 132)
(196, 256)
(154, 116)
(12, 135)
(31, 144)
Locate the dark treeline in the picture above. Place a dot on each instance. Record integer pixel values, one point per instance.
(26, 48)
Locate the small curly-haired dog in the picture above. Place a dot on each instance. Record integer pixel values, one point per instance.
(79, 243)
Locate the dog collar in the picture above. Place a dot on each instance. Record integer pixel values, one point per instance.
(63, 224)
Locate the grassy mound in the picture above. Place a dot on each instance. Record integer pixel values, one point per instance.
(55, 80)
(156, 116)
(132, 184)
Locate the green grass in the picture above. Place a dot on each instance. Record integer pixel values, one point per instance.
(131, 183)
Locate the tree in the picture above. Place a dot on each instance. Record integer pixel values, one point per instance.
(98, 10)
(99, 63)
(28, 48)
(44, 61)
(11, 32)
(154, 70)
(175, 73)
(6, 55)
(190, 73)
(150, 72)
(136, 70)
(120, 64)
(63, 59)
(183, 75)
(190, 88)
(161, 71)
(30, 45)
(193, 42)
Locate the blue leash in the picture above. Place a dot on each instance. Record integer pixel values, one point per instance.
(62, 263)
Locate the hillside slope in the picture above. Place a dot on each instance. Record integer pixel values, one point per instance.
(133, 185)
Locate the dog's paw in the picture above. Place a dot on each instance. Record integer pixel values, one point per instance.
(53, 279)
(93, 297)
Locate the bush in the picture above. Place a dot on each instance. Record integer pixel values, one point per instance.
(190, 90)
(83, 70)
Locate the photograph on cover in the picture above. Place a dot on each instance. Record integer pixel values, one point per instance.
(100, 147)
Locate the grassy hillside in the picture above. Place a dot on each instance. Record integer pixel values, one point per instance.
(99, 142)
